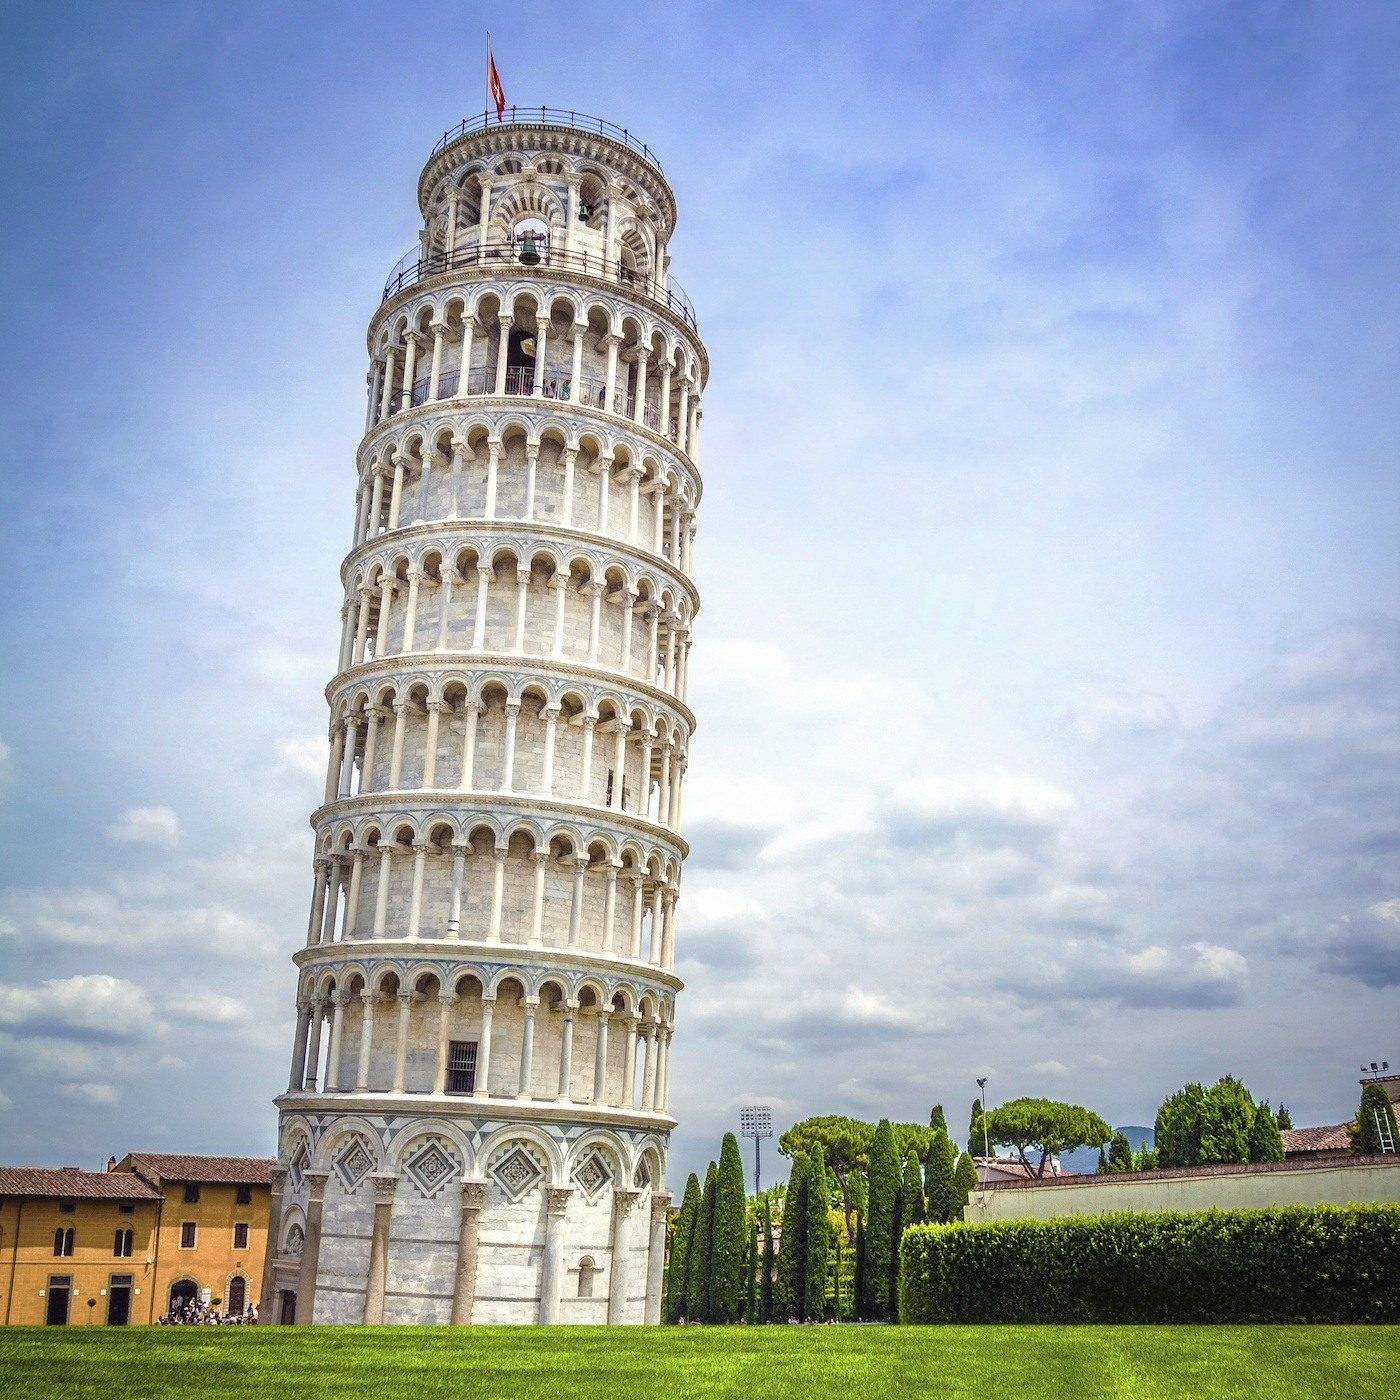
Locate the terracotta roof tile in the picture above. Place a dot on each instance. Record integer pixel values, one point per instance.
(65, 1181)
(184, 1166)
(1316, 1139)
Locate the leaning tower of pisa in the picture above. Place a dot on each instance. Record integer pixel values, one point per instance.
(476, 1124)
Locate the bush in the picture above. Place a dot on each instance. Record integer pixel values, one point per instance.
(1286, 1264)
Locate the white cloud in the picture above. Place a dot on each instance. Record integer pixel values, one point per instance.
(305, 756)
(147, 826)
(92, 1007)
(100, 1095)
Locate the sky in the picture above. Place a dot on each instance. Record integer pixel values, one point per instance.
(1048, 665)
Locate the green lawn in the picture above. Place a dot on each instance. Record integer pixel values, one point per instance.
(1079, 1363)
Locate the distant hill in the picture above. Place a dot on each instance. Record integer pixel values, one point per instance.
(1086, 1159)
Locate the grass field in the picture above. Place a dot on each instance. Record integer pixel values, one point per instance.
(816, 1363)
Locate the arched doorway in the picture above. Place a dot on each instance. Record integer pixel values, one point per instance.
(237, 1296)
(182, 1292)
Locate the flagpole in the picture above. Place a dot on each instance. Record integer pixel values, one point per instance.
(488, 77)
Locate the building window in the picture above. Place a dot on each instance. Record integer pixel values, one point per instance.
(240, 1237)
(245, 1196)
(187, 1235)
(586, 1269)
(461, 1066)
(191, 1192)
(63, 1242)
(121, 1246)
(67, 1207)
(126, 1210)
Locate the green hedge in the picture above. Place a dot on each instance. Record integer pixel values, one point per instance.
(1285, 1264)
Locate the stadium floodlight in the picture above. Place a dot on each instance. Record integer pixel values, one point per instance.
(756, 1121)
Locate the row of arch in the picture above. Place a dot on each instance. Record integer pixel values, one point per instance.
(525, 889)
(507, 1033)
(541, 473)
(495, 734)
(547, 344)
(517, 600)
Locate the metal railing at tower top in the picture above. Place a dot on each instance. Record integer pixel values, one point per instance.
(548, 116)
(538, 253)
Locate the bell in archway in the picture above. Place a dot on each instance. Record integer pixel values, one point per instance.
(529, 254)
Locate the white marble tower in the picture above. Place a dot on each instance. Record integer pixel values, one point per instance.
(476, 1124)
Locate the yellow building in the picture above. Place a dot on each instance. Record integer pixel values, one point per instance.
(77, 1247)
(213, 1227)
(127, 1245)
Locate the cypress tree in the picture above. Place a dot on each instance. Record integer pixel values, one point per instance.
(913, 1207)
(730, 1237)
(680, 1250)
(1177, 1133)
(755, 1251)
(882, 1229)
(1120, 1155)
(818, 1236)
(765, 1288)
(859, 1288)
(938, 1178)
(976, 1138)
(1285, 1119)
(790, 1293)
(697, 1283)
(964, 1184)
(1265, 1140)
(1226, 1121)
(1366, 1135)
(1103, 1164)
(937, 1120)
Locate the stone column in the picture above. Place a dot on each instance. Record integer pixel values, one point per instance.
(559, 583)
(464, 1284)
(493, 467)
(570, 457)
(663, 788)
(415, 904)
(374, 717)
(396, 491)
(430, 743)
(532, 467)
(347, 765)
(566, 1055)
(624, 650)
(368, 999)
(396, 755)
(498, 889)
(639, 405)
(522, 602)
(595, 609)
(551, 731)
(624, 1198)
(410, 617)
(656, 1255)
(649, 1070)
(629, 1063)
(502, 350)
(406, 1000)
(313, 1049)
(541, 334)
(483, 1050)
(576, 901)
(508, 759)
(454, 905)
(332, 906)
(446, 1001)
(471, 711)
(410, 361)
(446, 578)
(484, 575)
(381, 895)
(311, 1248)
(357, 654)
(387, 397)
(321, 865)
(605, 466)
(385, 1185)
(298, 1075)
(333, 1054)
(668, 930)
(541, 859)
(527, 1047)
(634, 943)
(464, 365)
(585, 772)
(658, 923)
(556, 1202)
(665, 419)
(437, 328)
(620, 732)
(387, 585)
(483, 226)
(600, 1059)
(267, 1311)
(609, 909)
(352, 899)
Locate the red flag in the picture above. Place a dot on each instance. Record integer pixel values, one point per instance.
(493, 85)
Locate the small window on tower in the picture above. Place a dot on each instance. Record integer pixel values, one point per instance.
(461, 1067)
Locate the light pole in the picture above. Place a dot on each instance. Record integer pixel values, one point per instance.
(982, 1099)
(756, 1122)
